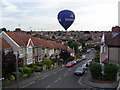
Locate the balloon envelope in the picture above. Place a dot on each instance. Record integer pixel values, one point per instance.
(66, 18)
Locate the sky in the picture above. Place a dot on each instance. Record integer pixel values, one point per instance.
(40, 15)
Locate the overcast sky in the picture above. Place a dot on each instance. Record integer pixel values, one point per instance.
(42, 14)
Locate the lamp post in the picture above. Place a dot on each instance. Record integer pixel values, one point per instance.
(17, 76)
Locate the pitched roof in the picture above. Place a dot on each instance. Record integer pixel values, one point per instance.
(108, 36)
(20, 39)
(4, 44)
(115, 41)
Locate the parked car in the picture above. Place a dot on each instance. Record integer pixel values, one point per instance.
(88, 50)
(83, 57)
(79, 71)
(84, 66)
(79, 60)
(74, 62)
(69, 64)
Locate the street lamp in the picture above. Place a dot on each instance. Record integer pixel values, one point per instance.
(17, 76)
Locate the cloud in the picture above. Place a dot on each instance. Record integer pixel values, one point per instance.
(42, 14)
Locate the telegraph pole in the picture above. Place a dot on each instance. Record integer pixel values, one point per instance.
(17, 76)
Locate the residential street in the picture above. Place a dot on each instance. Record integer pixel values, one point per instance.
(61, 78)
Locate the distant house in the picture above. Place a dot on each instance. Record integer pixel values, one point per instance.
(93, 42)
(110, 47)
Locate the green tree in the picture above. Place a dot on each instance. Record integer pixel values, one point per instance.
(97, 56)
(4, 29)
(48, 63)
(73, 44)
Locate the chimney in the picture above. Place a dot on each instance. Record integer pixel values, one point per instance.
(116, 29)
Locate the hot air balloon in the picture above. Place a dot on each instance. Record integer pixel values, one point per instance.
(66, 18)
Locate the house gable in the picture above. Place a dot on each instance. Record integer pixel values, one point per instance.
(30, 43)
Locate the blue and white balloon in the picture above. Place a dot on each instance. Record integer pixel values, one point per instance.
(66, 18)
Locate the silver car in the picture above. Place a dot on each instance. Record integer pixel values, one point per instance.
(79, 71)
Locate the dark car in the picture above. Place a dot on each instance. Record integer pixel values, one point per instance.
(79, 71)
(79, 60)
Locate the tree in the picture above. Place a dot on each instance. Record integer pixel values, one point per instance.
(73, 44)
(4, 29)
(65, 55)
(48, 63)
(8, 64)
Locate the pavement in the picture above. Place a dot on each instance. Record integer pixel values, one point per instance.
(86, 80)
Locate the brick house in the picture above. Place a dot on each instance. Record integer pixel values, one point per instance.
(110, 47)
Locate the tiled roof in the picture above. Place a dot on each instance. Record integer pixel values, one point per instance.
(108, 36)
(20, 39)
(4, 44)
(115, 41)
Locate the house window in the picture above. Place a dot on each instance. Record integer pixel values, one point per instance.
(29, 49)
(21, 51)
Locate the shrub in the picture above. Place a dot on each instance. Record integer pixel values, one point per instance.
(31, 65)
(95, 69)
(37, 68)
(48, 63)
(20, 75)
(20, 69)
(27, 70)
(11, 77)
(32, 70)
(111, 72)
(25, 75)
(39, 64)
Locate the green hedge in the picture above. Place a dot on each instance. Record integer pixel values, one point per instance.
(95, 70)
(110, 71)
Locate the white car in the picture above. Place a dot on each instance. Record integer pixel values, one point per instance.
(84, 66)
(83, 57)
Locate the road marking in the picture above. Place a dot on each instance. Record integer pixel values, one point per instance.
(66, 74)
(79, 81)
(57, 80)
(43, 77)
(27, 84)
(48, 86)
(69, 69)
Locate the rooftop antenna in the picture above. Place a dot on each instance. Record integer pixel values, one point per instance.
(18, 25)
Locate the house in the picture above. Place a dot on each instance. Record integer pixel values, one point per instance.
(110, 47)
(21, 43)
